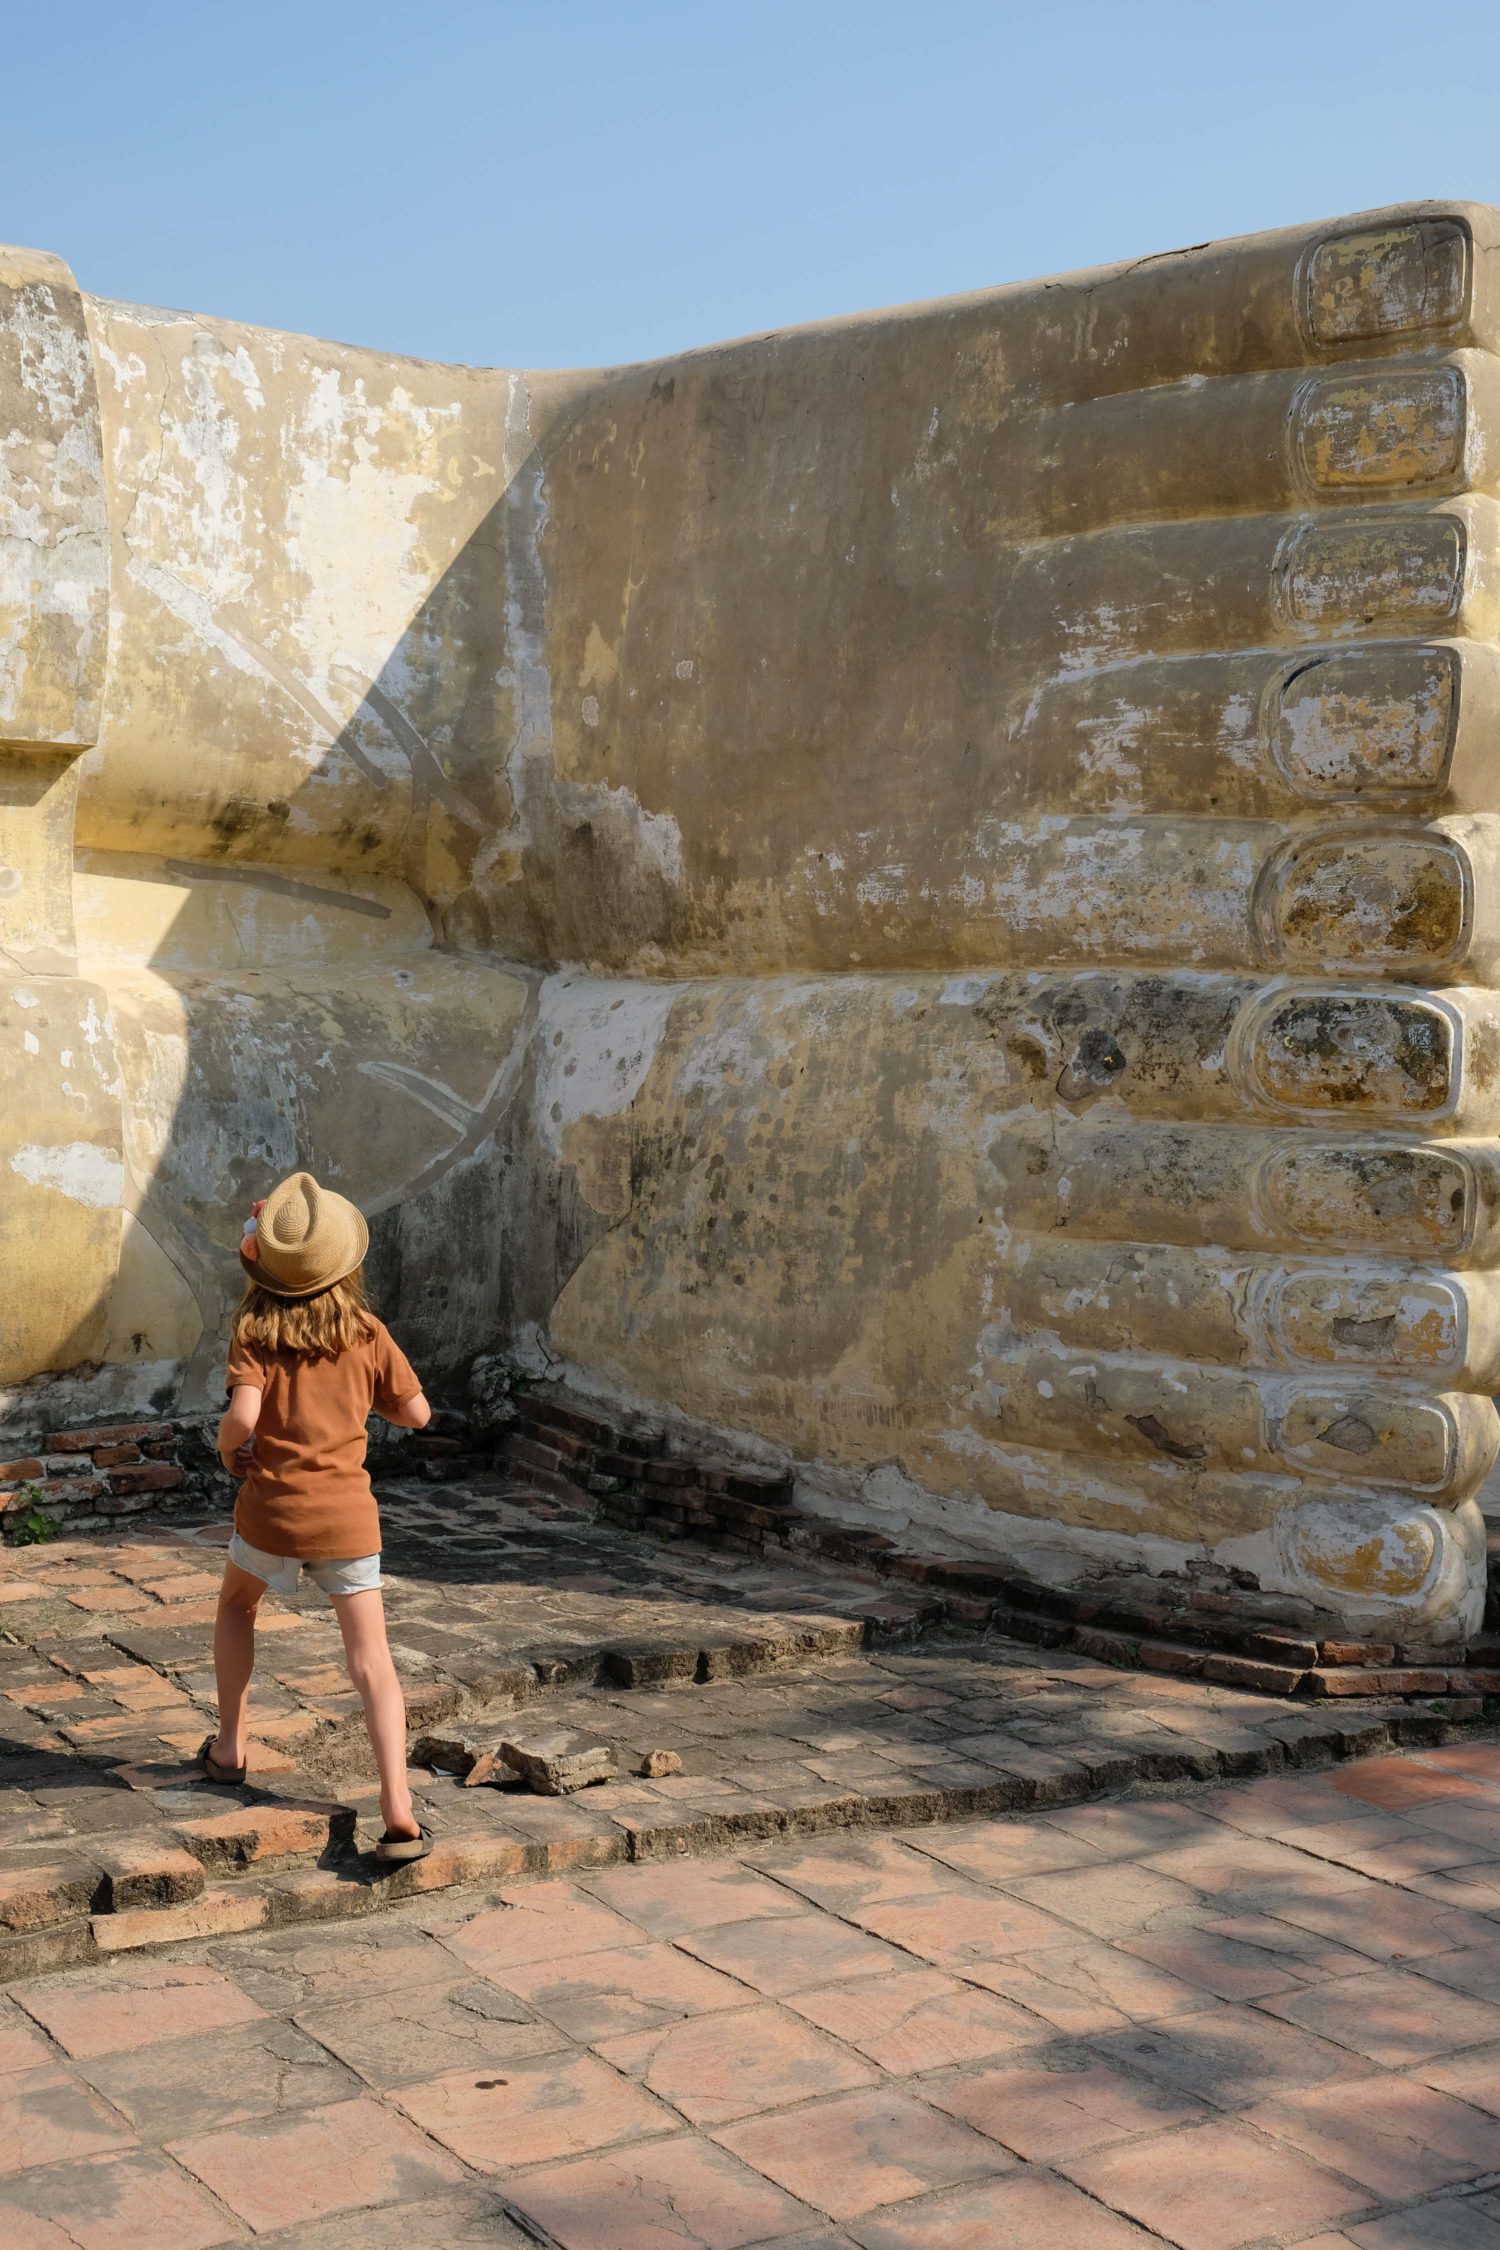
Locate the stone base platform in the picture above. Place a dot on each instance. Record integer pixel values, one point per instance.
(797, 1702)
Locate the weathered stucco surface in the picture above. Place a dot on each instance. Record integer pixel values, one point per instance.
(925, 891)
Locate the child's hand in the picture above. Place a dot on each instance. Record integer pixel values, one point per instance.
(239, 1462)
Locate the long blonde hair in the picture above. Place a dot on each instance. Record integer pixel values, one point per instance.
(321, 1326)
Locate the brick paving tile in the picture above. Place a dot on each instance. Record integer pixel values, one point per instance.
(543, 2106)
(285, 2172)
(1136, 1828)
(959, 1927)
(1392, 2015)
(303, 1968)
(46, 2117)
(1473, 2078)
(789, 1955)
(683, 2193)
(1027, 2211)
(1081, 1989)
(1059, 2106)
(1001, 1849)
(633, 1988)
(1397, 1784)
(134, 2004)
(1113, 1901)
(715, 2070)
(412, 2034)
(1312, 1956)
(1474, 1969)
(1215, 2187)
(475, 2219)
(1256, 1867)
(918, 2019)
(1479, 1761)
(1476, 1885)
(111, 2203)
(849, 2155)
(859, 1871)
(191, 2085)
(1227, 1967)
(1473, 1821)
(1386, 1924)
(1436, 2226)
(541, 1922)
(1397, 2138)
(1230, 2057)
(671, 1900)
(22, 2046)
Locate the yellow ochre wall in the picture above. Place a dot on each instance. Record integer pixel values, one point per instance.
(923, 891)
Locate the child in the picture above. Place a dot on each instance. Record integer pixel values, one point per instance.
(308, 1362)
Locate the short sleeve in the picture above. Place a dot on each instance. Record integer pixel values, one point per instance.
(247, 1364)
(395, 1377)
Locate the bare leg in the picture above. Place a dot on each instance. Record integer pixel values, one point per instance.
(372, 1670)
(234, 1659)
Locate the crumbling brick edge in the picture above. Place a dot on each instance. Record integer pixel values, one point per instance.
(622, 1471)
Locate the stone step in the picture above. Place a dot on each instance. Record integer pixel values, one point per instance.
(234, 1874)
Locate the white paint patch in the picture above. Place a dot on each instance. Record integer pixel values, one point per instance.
(79, 1170)
(596, 1039)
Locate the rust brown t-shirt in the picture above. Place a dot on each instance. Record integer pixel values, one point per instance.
(308, 1492)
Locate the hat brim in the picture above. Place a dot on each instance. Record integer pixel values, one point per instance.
(255, 1270)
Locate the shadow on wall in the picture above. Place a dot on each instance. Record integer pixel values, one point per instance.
(326, 677)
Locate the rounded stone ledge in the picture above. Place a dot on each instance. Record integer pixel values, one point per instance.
(1376, 1055)
(1368, 896)
(1442, 1447)
(1352, 724)
(1381, 430)
(1415, 1200)
(1387, 570)
(1344, 1315)
(1387, 1566)
(1413, 278)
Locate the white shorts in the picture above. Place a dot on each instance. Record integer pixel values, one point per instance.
(281, 1572)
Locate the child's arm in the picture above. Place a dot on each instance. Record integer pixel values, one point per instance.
(412, 1413)
(238, 1428)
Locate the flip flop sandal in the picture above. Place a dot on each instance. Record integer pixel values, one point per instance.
(228, 1777)
(397, 1851)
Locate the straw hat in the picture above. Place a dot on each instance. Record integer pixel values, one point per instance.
(306, 1238)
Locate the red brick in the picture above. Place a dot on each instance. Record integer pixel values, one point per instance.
(1357, 1652)
(715, 2069)
(222, 1913)
(674, 2191)
(849, 2155)
(1249, 1672)
(46, 2117)
(148, 1871)
(1169, 1656)
(1203, 2185)
(115, 1456)
(151, 1476)
(23, 1472)
(114, 1433)
(1390, 2134)
(1360, 1680)
(1026, 2211)
(248, 1834)
(544, 2106)
(135, 2004)
(52, 1890)
(286, 2172)
(111, 2202)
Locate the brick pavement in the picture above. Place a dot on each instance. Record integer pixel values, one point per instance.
(796, 1700)
(1262, 2012)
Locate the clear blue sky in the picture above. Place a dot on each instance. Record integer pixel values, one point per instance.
(574, 182)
